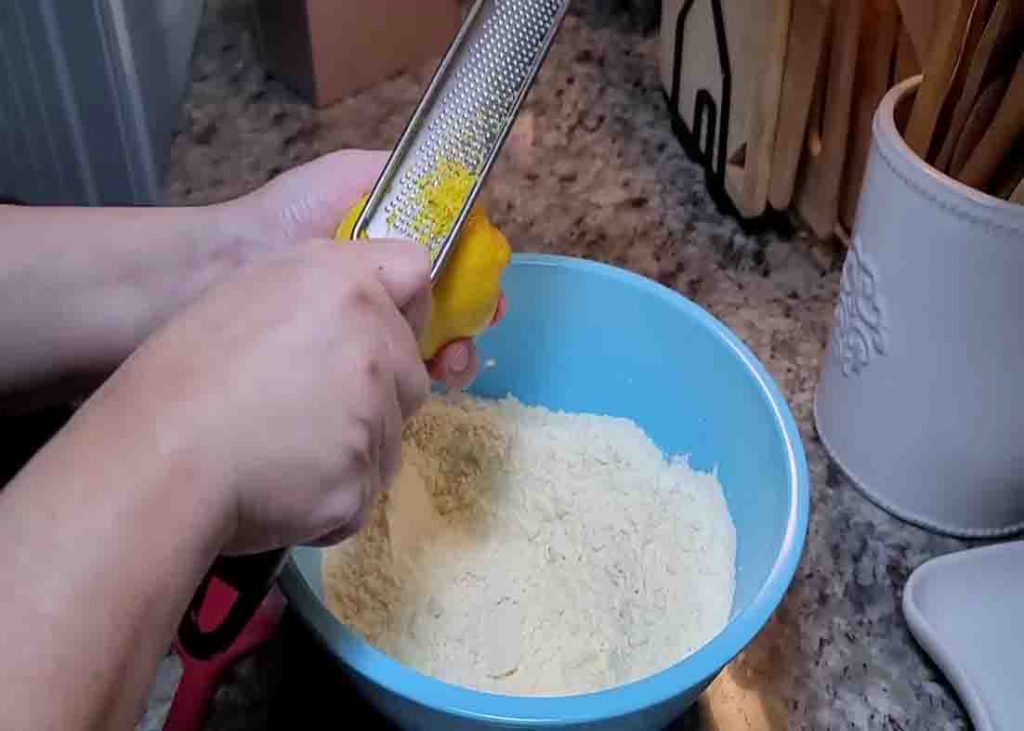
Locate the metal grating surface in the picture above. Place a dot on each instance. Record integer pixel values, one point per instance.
(467, 111)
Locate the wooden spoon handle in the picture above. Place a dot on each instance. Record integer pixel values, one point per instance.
(979, 69)
(938, 70)
(1017, 196)
(977, 122)
(997, 142)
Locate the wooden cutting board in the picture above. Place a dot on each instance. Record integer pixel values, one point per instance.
(818, 195)
(878, 38)
(808, 30)
(743, 104)
(747, 183)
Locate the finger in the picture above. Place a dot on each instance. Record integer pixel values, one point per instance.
(391, 449)
(411, 380)
(417, 312)
(352, 508)
(404, 374)
(347, 504)
(456, 365)
(313, 198)
(401, 266)
(348, 174)
(333, 538)
(499, 314)
(351, 174)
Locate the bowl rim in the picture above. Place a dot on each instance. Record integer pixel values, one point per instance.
(694, 671)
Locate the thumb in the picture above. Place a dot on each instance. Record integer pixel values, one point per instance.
(310, 201)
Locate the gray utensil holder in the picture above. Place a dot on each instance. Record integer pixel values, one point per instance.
(921, 401)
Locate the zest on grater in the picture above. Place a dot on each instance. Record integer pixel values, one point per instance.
(436, 171)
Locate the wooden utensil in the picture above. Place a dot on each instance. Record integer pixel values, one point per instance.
(906, 63)
(818, 199)
(1006, 128)
(977, 121)
(975, 29)
(939, 67)
(808, 29)
(1017, 196)
(919, 20)
(878, 39)
(1010, 174)
(989, 54)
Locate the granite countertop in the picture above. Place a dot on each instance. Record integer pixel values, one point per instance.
(596, 172)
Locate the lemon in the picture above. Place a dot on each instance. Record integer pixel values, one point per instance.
(466, 294)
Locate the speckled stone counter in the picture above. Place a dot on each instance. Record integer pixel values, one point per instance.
(596, 172)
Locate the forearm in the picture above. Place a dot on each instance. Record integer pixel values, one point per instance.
(103, 539)
(81, 288)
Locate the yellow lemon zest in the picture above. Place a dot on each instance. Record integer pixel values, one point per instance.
(440, 197)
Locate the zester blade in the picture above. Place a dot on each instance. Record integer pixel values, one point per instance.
(460, 125)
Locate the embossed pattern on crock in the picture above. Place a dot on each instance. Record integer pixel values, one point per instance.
(860, 331)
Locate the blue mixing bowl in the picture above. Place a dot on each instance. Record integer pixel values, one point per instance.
(582, 336)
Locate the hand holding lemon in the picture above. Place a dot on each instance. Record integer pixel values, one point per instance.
(467, 296)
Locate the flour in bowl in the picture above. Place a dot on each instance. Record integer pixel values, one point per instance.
(528, 552)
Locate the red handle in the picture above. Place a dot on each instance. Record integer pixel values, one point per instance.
(200, 677)
(251, 578)
(195, 691)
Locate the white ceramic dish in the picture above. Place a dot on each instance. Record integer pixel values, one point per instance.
(966, 611)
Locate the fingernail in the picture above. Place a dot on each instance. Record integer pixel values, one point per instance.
(499, 313)
(458, 361)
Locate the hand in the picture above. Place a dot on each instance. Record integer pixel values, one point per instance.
(285, 388)
(310, 201)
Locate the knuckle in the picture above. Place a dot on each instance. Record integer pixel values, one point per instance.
(361, 447)
(362, 297)
(374, 370)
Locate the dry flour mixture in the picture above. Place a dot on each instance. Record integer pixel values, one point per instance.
(528, 552)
